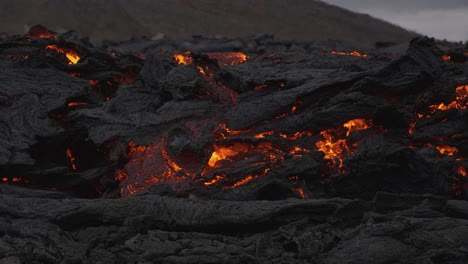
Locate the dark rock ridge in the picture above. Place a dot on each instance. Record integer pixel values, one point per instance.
(279, 154)
(178, 19)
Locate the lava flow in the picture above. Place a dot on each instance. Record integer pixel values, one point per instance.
(335, 145)
(148, 166)
(460, 102)
(223, 58)
(352, 53)
(71, 55)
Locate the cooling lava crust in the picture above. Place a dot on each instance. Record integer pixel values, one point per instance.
(231, 151)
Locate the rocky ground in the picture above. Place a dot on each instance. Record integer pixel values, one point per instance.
(239, 151)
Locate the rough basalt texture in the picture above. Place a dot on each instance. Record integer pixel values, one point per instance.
(41, 228)
(115, 123)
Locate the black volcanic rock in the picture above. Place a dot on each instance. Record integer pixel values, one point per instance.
(312, 156)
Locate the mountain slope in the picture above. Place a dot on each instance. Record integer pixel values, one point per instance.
(119, 19)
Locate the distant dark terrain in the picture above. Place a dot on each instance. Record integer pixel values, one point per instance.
(303, 20)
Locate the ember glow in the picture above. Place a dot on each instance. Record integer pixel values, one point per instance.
(148, 166)
(153, 164)
(183, 59)
(39, 31)
(228, 58)
(460, 102)
(334, 143)
(462, 171)
(248, 179)
(223, 58)
(71, 55)
(75, 104)
(356, 125)
(14, 180)
(447, 150)
(446, 58)
(72, 159)
(352, 53)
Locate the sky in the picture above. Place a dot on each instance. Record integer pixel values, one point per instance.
(442, 19)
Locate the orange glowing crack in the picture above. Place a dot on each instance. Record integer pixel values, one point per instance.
(352, 53)
(447, 150)
(228, 58)
(462, 171)
(75, 104)
(260, 87)
(71, 55)
(412, 128)
(248, 179)
(263, 134)
(446, 58)
(215, 180)
(182, 59)
(71, 158)
(334, 144)
(301, 192)
(356, 125)
(460, 102)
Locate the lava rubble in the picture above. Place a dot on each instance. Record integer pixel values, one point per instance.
(230, 151)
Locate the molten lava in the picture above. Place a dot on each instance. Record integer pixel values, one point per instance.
(223, 58)
(232, 152)
(462, 171)
(460, 102)
(148, 166)
(247, 179)
(228, 58)
(72, 159)
(446, 58)
(352, 53)
(71, 55)
(356, 125)
(447, 150)
(334, 142)
(183, 59)
(75, 104)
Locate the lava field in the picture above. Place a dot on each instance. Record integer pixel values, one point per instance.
(227, 151)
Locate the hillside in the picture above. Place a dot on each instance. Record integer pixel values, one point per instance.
(119, 19)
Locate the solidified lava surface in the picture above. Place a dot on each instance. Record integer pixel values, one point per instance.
(231, 151)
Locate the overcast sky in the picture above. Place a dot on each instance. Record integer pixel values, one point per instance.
(443, 19)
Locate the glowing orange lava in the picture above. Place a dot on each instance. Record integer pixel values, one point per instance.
(183, 59)
(72, 159)
(446, 58)
(228, 58)
(260, 87)
(462, 171)
(148, 166)
(412, 128)
(356, 125)
(460, 102)
(247, 179)
(447, 150)
(216, 179)
(71, 55)
(352, 53)
(75, 104)
(334, 144)
(237, 150)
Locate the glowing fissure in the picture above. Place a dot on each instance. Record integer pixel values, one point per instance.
(71, 55)
(352, 53)
(334, 142)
